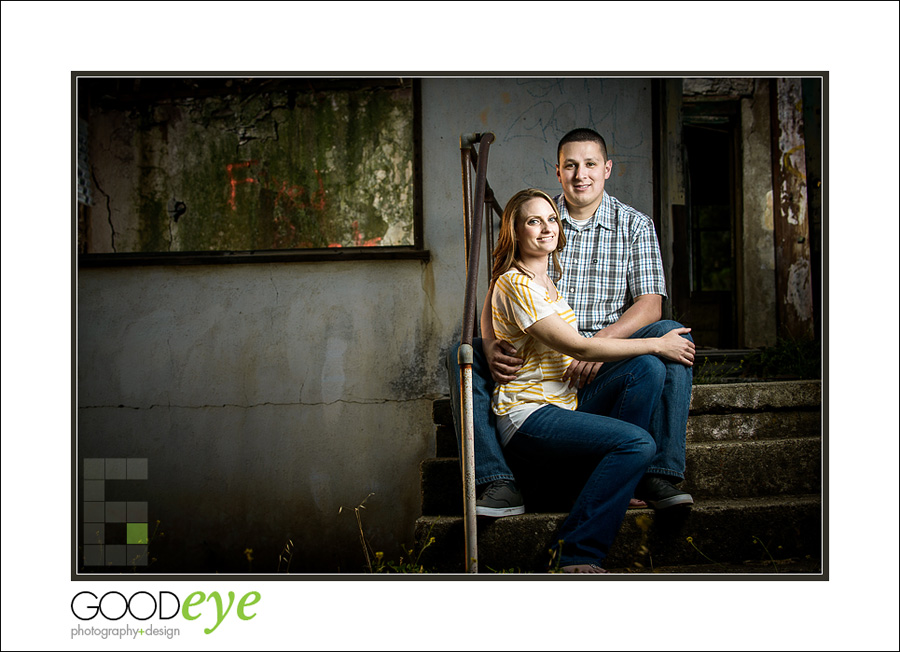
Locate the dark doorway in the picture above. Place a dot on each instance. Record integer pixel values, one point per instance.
(711, 224)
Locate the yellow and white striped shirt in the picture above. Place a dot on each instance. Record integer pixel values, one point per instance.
(516, 304)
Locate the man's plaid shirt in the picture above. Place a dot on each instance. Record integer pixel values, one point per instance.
(607, 263)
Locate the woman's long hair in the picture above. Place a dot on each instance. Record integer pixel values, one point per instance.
(506, 253)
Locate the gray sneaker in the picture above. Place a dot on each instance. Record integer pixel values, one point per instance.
(500, 498)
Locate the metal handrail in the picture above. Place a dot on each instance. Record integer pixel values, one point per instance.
(473, 211)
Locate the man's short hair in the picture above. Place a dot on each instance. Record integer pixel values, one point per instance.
(582, 135)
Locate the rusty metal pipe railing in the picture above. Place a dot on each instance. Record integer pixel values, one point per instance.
(466, 353)
(465, 148)
(489, 192)
(475, 239)
(489, 201)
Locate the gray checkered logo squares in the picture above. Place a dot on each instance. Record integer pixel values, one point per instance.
(99, 514)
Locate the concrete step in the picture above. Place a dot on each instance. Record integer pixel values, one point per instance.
(732, 469)
(753, 466)
(740, 412)
(749, 426)
(722, 534)
(756, 397)
(728, 397)
(738, 426)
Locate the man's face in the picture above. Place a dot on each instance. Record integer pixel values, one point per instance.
(582, 171)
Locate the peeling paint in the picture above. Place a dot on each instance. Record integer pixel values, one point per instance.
(790, 167)
(794, 290)
(718, 87)
(259, 171)
(798, 294)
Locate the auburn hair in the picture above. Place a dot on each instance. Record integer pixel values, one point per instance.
(506, 253)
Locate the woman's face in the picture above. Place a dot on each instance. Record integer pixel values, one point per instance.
(537, 229)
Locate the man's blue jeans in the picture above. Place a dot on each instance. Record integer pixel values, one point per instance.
(618, 387)
(619, 453)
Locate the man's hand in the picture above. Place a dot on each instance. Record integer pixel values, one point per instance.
(502, 360)
(580, 373)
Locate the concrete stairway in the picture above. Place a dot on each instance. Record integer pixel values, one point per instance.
(753, 467)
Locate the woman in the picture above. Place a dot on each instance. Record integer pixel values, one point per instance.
(537, 414)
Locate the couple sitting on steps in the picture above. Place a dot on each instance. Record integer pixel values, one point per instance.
(574, 364)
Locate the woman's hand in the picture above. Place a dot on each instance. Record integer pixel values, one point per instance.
(676, 348)
(502, 360)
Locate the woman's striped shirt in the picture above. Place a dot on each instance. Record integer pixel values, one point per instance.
(517, 303)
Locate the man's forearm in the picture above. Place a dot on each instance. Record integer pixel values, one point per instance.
(646, 310)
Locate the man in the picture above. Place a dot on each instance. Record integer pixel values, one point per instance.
(613, 280)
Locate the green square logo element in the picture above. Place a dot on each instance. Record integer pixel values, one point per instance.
(136, 533)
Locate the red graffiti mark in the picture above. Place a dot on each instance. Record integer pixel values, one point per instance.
(290, 196)
(358, 239)
(234, 182)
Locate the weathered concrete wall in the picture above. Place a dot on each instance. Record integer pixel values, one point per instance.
(792, 248)
(269, 169)
(266, 397)
(758, 225)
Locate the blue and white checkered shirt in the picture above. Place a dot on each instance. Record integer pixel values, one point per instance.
(607, 263)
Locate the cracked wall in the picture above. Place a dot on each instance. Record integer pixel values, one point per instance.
(264, 402)
(277, 169)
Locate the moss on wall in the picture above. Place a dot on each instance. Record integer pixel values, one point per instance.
(278, 169)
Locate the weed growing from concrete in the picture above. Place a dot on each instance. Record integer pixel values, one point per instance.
(690, 540)
(412, 562)
(756, 540)
(643, 522)
(789, 358)
(554, 557)
(362, 535)
(287, 554)
(411, 565)
(710, 373)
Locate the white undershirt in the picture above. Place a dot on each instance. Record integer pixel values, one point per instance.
(579, 224)
(509, 423)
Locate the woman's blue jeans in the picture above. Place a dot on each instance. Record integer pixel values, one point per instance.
(555, 436)
(618, 384)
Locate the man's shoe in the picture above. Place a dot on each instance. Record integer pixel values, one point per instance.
(660, 493)
(500, 498)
